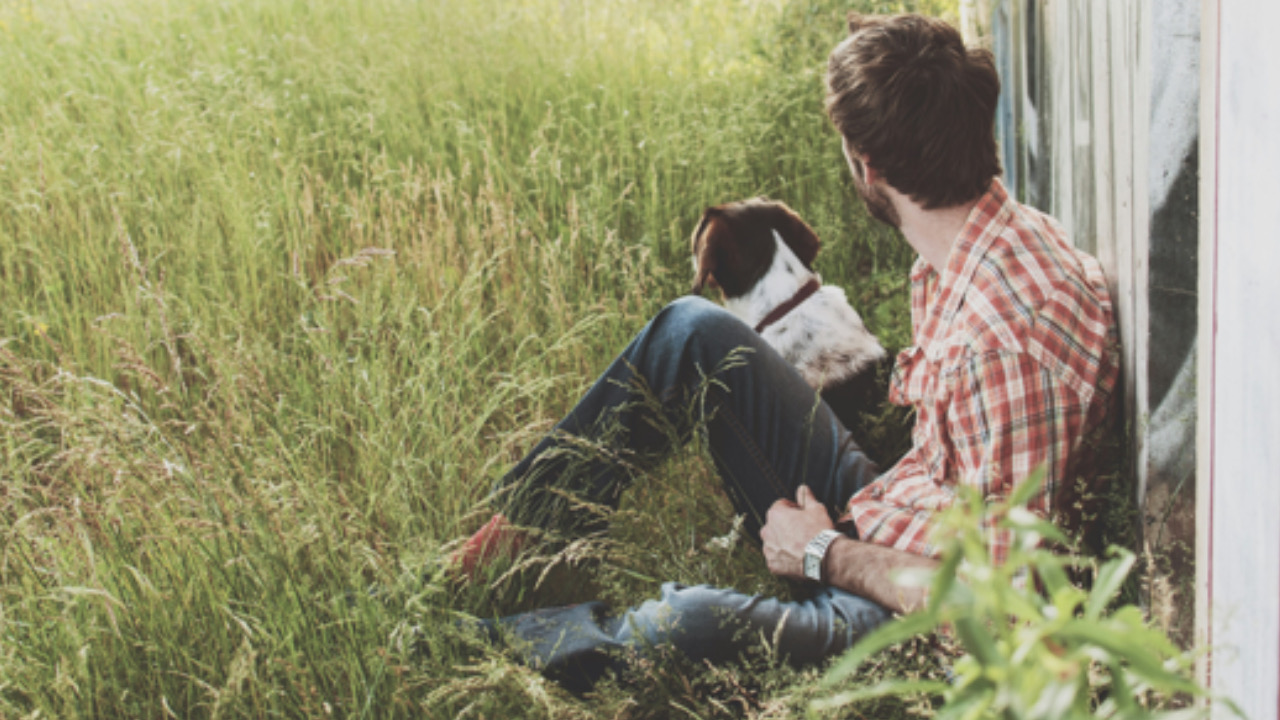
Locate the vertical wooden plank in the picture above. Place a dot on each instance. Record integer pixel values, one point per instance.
(1101, 122)
(1113, 139)
(969, 29)
(1123, 75)
(1121, 115)
(1137, 22)
(1169, 264)
(1083, 189)
(1059, 67)
(1005, 48)
(1245, 410)
(1016, 91)
(1038, 111)
(1205, 352)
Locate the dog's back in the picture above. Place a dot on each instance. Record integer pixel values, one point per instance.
(759, 253)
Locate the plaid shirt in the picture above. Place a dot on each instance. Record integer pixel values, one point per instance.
(1015, 358)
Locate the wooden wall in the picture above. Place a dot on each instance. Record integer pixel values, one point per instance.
(1239, 475)
(1151, 128)
(1098, 125)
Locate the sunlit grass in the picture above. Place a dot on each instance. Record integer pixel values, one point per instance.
(285, 285)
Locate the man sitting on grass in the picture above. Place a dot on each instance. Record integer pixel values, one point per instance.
(1014, 361)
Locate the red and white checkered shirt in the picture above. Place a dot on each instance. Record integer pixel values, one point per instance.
(1015, 358)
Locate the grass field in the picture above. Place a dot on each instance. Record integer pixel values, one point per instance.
(285, 285)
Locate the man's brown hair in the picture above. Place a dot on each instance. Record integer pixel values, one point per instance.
(905, 91)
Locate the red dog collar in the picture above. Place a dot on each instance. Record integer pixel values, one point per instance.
(781, 311)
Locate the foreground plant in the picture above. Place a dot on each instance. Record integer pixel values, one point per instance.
(1035, 645)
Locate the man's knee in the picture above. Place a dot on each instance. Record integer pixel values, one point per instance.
(693, 324)
(691, 313)
(694, 618)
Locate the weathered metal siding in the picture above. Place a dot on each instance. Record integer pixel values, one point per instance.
(1098, 125)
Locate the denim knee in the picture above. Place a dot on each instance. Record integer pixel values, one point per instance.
(700, 327)
(693, 618)
(690, 314)
(719, 624)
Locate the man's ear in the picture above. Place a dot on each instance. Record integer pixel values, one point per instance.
(859, 163)
(796, 233)
(870, 176)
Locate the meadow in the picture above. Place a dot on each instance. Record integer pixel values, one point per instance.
(286, 285)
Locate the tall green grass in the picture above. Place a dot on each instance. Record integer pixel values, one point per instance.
(285, 285)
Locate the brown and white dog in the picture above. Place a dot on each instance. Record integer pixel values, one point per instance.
(760, 254)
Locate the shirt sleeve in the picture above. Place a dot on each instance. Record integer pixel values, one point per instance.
(1007, 416)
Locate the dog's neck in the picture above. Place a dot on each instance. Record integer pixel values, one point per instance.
(785, 277)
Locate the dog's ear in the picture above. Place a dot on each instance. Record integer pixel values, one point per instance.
(732, 248)
(704, 253)
(795, 232)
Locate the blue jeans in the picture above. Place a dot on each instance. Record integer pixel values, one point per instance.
(701, 370)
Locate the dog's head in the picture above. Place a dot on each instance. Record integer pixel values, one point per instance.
(733, 245)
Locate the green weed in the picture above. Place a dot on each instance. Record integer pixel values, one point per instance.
(1027, 641)
(285, 285)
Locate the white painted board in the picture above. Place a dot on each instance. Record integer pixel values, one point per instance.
(1240, 296)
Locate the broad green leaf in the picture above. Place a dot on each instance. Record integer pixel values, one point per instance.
(1130, 648)
(1130, 619)
(1022, 609)
(887, 688)
(1058, 700)
(975, 638)
(882, 637)
(1110, 578)
(1027, 489)
(944, 579)
(1025, 521)
(1049, 568)
(1121, 692)
(973, 704)
(1066, 600)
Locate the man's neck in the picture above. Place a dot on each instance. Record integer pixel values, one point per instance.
(932, 233)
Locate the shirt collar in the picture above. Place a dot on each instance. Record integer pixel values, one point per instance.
(986, 221)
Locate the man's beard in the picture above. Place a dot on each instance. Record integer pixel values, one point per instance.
(878, 204)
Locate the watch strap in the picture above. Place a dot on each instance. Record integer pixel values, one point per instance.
(816, 551)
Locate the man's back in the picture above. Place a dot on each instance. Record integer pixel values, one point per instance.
(1014, 358)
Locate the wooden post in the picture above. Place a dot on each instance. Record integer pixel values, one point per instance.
(1239, 460)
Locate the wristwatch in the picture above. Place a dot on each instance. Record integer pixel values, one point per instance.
(815, 551)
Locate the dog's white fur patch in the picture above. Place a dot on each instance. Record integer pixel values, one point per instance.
(824, 337)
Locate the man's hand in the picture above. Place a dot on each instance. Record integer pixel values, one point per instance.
(790, 526)
(861, 568)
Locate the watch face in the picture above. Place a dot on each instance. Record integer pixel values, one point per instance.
(812, 567)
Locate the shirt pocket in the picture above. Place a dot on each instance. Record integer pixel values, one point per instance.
(915, 379)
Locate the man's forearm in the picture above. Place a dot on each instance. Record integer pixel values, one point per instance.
(864, 569)
(868, 570)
